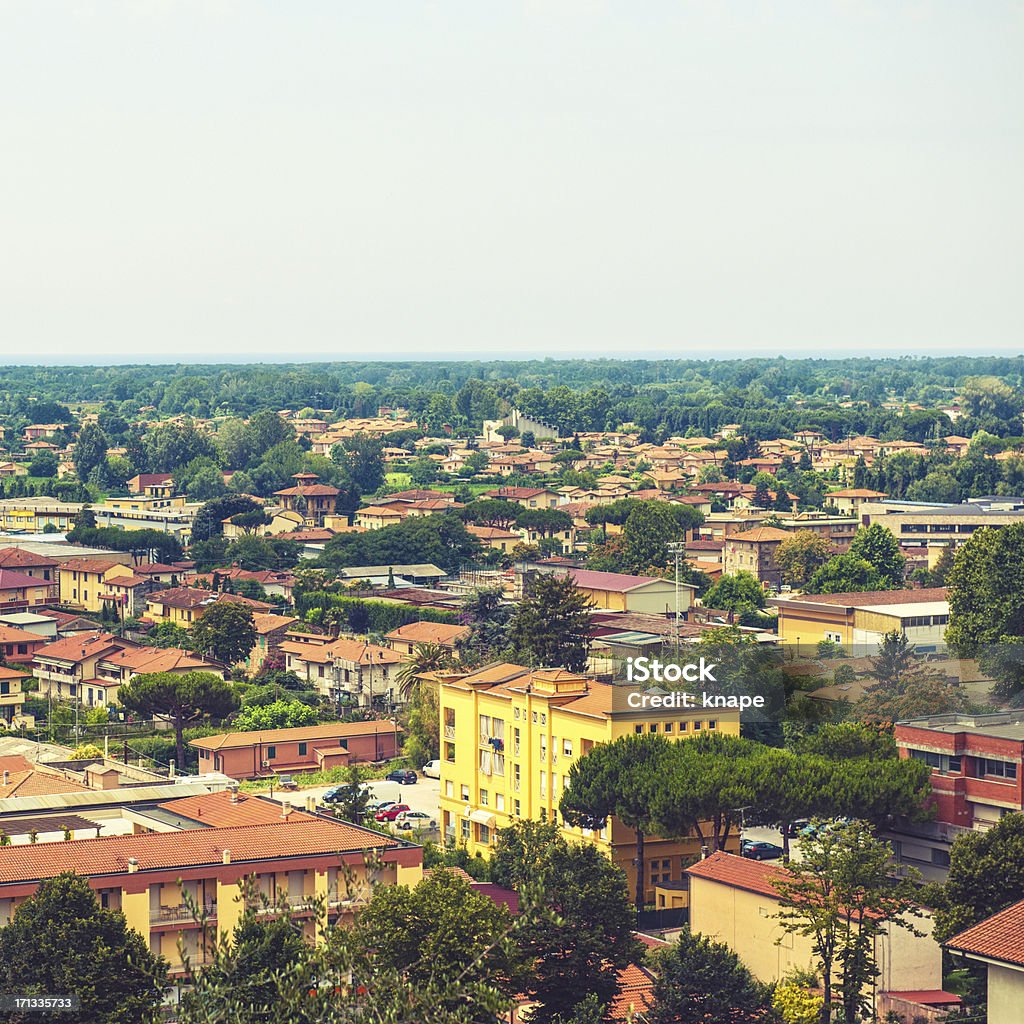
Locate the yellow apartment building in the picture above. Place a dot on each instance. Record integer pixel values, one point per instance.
(509, 736)
(82, 579)
(33, 515)
(298, 860)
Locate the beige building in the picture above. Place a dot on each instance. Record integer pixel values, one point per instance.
(733, 900)
(754, 552)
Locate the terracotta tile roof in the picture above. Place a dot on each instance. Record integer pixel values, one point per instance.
(312, 733)
(999, 937)
(928, 997)
(761, 535)
(36, 783)
(495, 533)
(218, 810)
(428, 633)
(99, 565)
(738, 872)
(316, 654)
(193, 597)
(78, 648)
(12, 580)
(154, 851)
(13, 635)
(362, 653)
(635, 993)
(16, 558)
(158, 659)
(312, 490)
(266, 622)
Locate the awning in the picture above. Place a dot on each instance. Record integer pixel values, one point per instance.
(481, 817)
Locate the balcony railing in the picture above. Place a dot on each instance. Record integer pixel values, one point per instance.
(182, 913)
(449, 732)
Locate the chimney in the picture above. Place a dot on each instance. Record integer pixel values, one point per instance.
(234, 796)
(286, 809)
(704, 852)
(7, 777)
(225, 857)
(133, 865)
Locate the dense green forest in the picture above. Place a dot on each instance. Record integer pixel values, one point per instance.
(662, 397)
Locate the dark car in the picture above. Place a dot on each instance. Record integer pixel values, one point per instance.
(759, 850)
(796, 827)
(403, 776)
(333, 794)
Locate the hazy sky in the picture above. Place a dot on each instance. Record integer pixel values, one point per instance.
(237, 179)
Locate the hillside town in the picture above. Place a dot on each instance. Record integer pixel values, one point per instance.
(330, 707)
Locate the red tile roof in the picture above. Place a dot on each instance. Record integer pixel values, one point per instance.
(154, 851)
(311, 733)
(16, 558)
(78, 648)
(13, 635)
(928, 997)
(738, 872)
(12, 580)
(761, 535)
(218, 810)
(428, 633)
(999, 937)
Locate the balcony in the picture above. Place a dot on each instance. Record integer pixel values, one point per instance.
(449, 732)
(170, 915)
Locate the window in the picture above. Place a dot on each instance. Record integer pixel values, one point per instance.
(449, 753)
(543, 718)
(484, 797)
(517, 779)
(712, 724)
(303, 747)
(535, 718)
(466, 827)
(661, 871)
(515, 742)
(697, 726)
(483, 834)
(668, 727)
(543, 783)
(515, 714)
(682, 727)
(465, 794)
(499, 801)
(567, 748)
(940, 762)
(638, 729)
(997, 769)
(449, 789)
(940, 857)
(271, 753)
(543, 748)
(5, 688)
(517, 808)
(654, 727)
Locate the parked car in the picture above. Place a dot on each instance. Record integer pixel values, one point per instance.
(403, 776)
(415, 819)
(757, 850)
(333, 794)
(432, 769)
(796, 827)
(380, 805)
(286, 782)
(392, 812)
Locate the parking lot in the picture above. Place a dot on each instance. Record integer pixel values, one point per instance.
(423, 796)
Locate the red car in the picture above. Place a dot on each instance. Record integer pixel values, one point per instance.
(392, 812)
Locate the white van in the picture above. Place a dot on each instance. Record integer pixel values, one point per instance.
(432, 769)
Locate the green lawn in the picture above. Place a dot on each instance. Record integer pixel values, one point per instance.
(402, 480)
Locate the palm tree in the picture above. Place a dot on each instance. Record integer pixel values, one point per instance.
(425, 657)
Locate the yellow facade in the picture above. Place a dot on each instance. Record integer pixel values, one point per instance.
(509, 737)
(82, 584)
